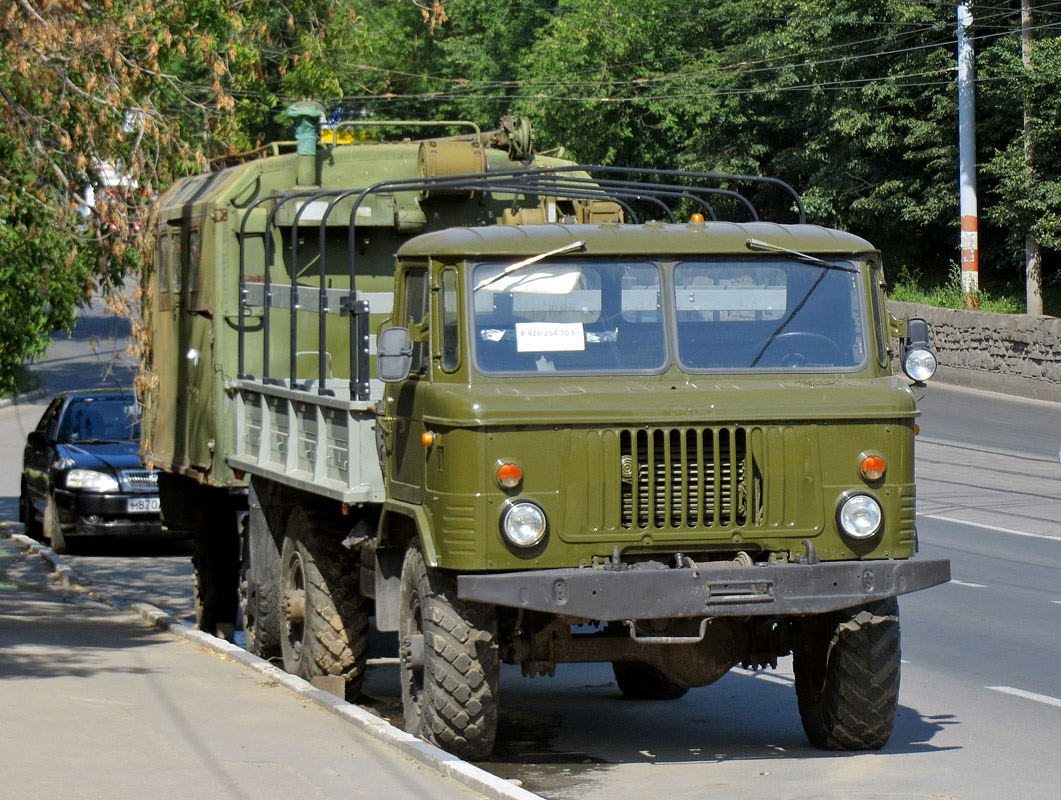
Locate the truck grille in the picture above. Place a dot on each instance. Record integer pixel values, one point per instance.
(679, 478)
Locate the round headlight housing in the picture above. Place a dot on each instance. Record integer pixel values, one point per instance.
(88, 480)
(524, 524)
(860, 516)
(919, 364)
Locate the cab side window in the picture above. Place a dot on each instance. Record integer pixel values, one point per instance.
(450, 317)
(414, 315)
(163, 256)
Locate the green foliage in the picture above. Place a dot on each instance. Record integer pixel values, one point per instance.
(853, 102)
(42, 281)
(910, 288)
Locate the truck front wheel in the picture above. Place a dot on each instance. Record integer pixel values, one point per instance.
(450, 668)
(325, 625)
(847, 676)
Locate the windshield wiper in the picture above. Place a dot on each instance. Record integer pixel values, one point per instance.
(761, 246)
(567, 248)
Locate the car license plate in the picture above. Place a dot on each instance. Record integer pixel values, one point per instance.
(142, 505)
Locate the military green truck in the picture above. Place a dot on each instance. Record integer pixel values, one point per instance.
(525, 411)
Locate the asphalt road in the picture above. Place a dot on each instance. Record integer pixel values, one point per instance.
(981, 698)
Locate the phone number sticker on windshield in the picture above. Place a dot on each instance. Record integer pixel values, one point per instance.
(549, 337)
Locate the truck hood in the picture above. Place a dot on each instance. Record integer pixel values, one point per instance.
(695, 400)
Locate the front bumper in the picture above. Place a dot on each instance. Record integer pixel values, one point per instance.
(766, 590)
(96, 514)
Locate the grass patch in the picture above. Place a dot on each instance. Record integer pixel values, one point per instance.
(908, 288)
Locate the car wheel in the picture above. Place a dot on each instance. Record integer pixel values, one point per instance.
(53, 528)
(27, 515)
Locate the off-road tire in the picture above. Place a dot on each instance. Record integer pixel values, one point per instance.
(216, 562)
(259, 589)
(53, 528)
(451, 698)
(640, 681)
(847, 677)
(332, 637)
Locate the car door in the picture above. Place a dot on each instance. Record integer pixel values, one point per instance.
(404, 400)
(39, 453)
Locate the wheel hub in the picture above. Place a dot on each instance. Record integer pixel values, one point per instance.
(295, 605)
(412, 651)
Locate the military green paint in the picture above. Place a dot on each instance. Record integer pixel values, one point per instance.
(801, 433)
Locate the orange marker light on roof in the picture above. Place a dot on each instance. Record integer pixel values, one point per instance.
(696, 218)
(509, 475)
(872, 468)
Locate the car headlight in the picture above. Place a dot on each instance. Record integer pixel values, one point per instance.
(87, 480)
(860, 516)
(524, 524)
(919, 364)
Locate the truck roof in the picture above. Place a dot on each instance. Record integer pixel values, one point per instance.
(651, 238)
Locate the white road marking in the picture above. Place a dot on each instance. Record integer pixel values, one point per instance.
(1039, 698)
(964, 583)
(991, 527)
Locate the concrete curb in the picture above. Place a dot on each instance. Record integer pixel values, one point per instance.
(427, 754)
(29, 397)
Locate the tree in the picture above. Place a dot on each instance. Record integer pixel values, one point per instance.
(141, 91)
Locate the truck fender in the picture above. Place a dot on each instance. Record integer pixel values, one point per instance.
(400, 524)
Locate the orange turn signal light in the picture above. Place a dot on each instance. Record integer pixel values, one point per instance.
(428, 438)
(509, 475)
(872, 468)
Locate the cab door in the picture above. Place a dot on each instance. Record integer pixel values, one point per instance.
(404, 401)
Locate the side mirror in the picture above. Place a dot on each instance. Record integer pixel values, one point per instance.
(394, 355)
(918, 360)
(37, 439)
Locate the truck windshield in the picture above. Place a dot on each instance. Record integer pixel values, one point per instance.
(771, 316)
(567, 317)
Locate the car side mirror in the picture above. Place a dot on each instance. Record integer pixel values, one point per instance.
(37, 439)
(394, 355)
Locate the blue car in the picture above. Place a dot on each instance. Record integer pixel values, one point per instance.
(81, 471)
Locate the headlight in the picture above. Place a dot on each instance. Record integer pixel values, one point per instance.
(524, 524)
(919, 364)
(88, 480)
(860, 516)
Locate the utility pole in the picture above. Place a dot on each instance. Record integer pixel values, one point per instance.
(967, 160)
(1033, 256)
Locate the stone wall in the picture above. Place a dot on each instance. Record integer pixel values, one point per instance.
(1010, 353)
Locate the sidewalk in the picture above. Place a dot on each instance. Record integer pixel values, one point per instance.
(97, 703)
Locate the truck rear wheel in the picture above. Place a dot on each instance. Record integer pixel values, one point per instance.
(259, 588)
(847, 677)
(325, 616)
(640, 681)
(450, 668)
(216, 561)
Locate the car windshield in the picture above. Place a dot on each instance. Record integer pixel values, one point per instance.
(94, 419)
(566, 317)
(772, 316)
